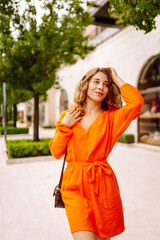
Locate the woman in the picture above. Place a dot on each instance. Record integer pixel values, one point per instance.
(88, 131)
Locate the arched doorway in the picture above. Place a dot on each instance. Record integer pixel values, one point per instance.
(149, 119)
(63, 100)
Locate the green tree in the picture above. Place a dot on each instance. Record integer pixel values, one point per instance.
(38, 51)
(15, 96)
(140, 14)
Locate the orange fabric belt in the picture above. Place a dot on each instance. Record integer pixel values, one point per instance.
(92, 167)
(95, 176)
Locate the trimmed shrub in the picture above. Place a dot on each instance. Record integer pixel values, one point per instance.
(47, 126)
(9, 124)
(126, 138)
(29, 117)
(27, 148)
(13, 130)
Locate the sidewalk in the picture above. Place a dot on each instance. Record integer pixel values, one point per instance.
(27, 207)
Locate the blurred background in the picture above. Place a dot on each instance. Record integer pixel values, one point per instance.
(46, 47)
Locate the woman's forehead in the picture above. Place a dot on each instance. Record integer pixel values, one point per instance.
(100, 76)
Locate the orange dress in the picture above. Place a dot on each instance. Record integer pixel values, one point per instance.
(89, 188)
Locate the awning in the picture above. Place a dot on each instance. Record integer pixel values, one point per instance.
(100, 12)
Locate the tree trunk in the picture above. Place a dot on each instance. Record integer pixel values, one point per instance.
(36, 117)
(14, 115)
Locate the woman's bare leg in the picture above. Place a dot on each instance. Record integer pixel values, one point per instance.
(87, 235)
(103, 238)
(84, 235)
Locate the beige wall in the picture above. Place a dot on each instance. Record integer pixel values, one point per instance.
(49, 111)
(127, 51)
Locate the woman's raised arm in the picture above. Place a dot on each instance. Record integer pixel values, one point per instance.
(116, 79)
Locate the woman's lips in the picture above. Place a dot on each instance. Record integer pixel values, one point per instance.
(98, 93)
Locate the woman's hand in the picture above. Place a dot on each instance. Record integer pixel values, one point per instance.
(116, 79)
(112, 72)
(71, 117)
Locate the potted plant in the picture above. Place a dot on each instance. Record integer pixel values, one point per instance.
(29, 120)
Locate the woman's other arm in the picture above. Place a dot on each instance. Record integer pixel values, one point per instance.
(121, 118)
(63, 133)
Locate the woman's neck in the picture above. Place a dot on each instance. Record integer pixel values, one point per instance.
(93, 108)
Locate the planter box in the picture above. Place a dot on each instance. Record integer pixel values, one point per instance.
(27, 159)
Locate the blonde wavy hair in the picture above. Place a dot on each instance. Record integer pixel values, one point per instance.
(112, 100)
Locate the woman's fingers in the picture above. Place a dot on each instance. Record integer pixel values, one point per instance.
(113, 73)
(72, 110)
(78, 119)
(71, 117)
(75, 112)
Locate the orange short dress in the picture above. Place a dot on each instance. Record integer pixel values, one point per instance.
(89, 187)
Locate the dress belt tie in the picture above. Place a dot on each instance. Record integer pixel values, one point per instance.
(95, 176)
(92, 167)
(99, 166)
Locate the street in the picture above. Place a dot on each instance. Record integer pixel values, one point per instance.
(27, 207)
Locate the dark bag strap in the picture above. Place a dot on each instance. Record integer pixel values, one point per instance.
(61, 176)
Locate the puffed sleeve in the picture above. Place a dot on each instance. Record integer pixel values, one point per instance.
(61, 138)
(121, 118)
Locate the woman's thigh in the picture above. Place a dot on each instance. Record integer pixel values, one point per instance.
(87, 235)
(103, 238)
(84, 235)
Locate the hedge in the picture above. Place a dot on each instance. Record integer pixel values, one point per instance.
(10, 124)
(126, 138)
(27, 148)
(48, 126)
(13, 130)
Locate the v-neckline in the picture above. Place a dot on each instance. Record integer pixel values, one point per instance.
(91, 123)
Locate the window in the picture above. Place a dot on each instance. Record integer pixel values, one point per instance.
(149, 120)
(63, 100)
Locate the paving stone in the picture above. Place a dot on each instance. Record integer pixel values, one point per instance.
(27, 207)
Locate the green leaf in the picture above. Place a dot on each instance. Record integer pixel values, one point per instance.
(140, 14)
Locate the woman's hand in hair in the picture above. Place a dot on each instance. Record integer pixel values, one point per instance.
(112, 72)
(71, 117)
(116, 79)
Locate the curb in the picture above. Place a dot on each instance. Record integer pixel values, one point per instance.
(140, 146)
(9, 161)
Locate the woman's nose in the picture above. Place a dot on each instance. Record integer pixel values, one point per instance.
(100, 86)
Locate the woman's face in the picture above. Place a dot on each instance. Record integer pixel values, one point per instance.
(98, 87)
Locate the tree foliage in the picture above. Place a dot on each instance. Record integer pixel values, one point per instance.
(35, 51)
(140, 14)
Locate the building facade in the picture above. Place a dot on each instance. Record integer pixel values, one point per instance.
(136, 57)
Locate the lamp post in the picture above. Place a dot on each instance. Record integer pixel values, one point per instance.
(5, 104)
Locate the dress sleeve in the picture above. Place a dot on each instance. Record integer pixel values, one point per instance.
(121, 118)
(61, 138)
